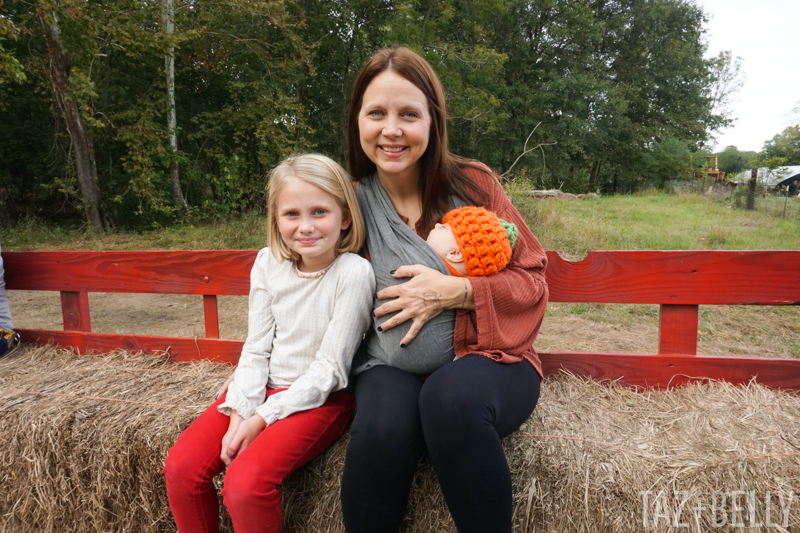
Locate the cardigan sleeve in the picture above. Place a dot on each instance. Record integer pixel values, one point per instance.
(510, 305)
(330, 368)
(248, 389)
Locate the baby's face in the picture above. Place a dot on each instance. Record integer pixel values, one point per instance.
(441, 239)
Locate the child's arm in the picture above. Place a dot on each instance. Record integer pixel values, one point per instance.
(331, 366)
(250, 380)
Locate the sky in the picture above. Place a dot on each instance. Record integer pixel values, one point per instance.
(764, 34)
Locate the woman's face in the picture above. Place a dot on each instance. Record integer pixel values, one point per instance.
(394, 125)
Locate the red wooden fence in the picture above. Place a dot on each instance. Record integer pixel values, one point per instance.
(677, 281)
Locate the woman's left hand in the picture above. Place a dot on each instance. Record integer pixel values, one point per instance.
(425, 295)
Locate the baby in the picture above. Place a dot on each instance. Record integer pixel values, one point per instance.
(473, 241)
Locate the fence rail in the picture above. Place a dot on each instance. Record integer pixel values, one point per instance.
(678, 281)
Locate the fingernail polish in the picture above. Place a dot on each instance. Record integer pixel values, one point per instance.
(402, 345)
(392, 272)
(230, 454)
(379, 328)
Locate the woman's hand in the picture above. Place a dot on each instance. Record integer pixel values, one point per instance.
(224, 388)
(240, 434)
(425, 295)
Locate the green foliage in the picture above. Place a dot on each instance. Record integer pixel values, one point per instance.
(621, 88)
(729, 160)
(10, 68)
(785, 145)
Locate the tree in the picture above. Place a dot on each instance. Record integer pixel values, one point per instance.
(60, 66)
(727, 78)
(10, 67)
(169, 68)
(785, 145)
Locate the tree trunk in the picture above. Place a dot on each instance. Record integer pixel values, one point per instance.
(172, 122)
(593, 175)
(59, 72)
(751, 193)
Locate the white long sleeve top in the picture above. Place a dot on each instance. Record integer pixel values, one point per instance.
(302, 334)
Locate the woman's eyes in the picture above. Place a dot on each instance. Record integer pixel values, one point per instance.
(405, 114)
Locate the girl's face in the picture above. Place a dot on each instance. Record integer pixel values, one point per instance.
(310, 222)
(394, 125)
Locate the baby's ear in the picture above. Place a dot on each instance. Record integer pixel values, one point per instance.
(454, 257)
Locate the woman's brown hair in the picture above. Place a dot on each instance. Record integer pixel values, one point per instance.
(441, 172)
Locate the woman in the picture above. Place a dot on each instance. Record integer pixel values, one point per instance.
(397, 147)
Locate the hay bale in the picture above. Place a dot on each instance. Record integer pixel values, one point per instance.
(73, 460)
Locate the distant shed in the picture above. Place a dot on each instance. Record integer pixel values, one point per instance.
(777, 179)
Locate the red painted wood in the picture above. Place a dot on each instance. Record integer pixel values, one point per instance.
(180, 348)
(75, 311)
(156, 271)
(677, 277)
(678, 329)
(665, 371)
(211, 315)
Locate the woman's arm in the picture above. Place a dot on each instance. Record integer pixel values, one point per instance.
(425, 295)
(513, 294)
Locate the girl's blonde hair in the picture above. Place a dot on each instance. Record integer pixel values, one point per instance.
(328, 175)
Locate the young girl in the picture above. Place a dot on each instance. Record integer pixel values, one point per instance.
(310, 304)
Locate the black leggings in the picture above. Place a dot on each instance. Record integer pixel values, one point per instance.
(459, 414)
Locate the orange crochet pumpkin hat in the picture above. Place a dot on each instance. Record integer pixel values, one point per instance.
(484, 239)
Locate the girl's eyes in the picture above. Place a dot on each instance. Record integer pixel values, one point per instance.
(319, 211)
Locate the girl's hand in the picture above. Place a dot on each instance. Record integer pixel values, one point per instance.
(224, 388)
(425, 295)
(236, 420)
(244, 433)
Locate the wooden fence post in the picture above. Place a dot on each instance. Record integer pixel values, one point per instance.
(751, 193)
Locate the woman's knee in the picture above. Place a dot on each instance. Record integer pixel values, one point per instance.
(386, 434)
(451, 407)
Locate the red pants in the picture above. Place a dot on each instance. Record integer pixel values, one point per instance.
(250, 490)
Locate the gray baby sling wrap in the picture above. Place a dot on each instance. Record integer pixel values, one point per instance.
(392, 244)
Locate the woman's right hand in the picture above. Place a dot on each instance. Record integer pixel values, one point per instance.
(236, 420)
(224, 388)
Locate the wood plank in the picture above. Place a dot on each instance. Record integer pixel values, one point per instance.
(211, 315)
(179, 348)
(677, 329)
(677, 277)
(150, 271)
(667, 371)
(75, 311)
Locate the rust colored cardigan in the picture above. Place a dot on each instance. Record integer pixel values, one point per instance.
(510, 305)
